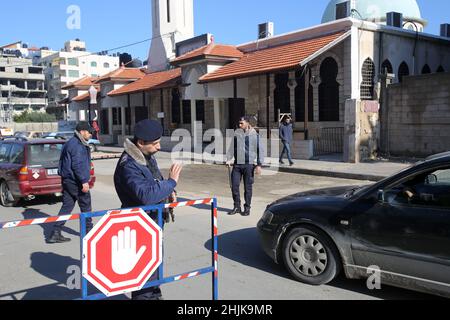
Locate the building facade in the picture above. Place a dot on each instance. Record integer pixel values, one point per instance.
(22, 86)
(71, 64)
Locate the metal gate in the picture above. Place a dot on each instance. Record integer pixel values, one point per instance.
(328, 141)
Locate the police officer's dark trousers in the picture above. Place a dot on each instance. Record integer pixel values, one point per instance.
(247, 173)
(73, 193)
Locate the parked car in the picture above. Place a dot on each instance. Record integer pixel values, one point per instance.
(66, 135)
(29, 134)
(401, 225)
(6, 132)
(29, 168)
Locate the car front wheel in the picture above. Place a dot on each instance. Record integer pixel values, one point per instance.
(6, 197)
(310, 256)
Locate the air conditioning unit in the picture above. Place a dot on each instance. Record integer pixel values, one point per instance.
(394, 19)
(265, 30)
(445, 30)
(343, 10)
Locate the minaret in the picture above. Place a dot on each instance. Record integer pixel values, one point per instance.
(172, 22)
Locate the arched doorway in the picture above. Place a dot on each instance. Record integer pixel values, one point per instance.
(329, 91)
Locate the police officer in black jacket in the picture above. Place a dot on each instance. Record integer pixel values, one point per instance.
(247, 151)
(75, 171)
(139, 182)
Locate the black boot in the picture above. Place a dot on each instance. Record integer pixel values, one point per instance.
(236, 210)
(246, 212)
(57, 237)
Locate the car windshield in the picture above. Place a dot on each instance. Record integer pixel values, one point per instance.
(44, 154)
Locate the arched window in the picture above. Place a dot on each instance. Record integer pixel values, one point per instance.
(300, 98)
(426, 69)
(282, 95)
(94, 64)
(440, 69)
(386, 67)
(106, 65)
(329, 91)
(368, 80)
(403, 71)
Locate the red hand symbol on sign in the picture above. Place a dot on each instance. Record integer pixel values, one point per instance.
(124, 256)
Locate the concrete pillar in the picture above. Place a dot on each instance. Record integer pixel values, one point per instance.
(124, 122)
(110, 121)
(193, 121)
(217, 113)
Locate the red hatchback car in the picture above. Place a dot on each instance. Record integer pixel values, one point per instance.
(29, 169)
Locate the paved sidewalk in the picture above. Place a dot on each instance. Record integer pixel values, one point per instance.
(367, 171)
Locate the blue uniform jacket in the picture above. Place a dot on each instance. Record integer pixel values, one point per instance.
(75, 162)
(134, 182)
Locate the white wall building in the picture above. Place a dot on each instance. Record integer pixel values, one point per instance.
(64, 67)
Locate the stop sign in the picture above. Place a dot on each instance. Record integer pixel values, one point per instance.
(122, 252)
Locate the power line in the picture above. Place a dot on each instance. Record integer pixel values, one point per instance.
(102, 51)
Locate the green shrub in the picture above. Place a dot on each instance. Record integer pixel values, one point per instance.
(30, 117)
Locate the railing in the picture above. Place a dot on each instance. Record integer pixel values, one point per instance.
(329, 141)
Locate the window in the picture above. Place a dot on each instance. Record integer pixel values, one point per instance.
(4, 152)
(73, 61)
(186, 111)
(300, 98)
(176, 114)
(329, 91)
(282, 95)
(19, 70)
(117, 116)
(2, 69)
(200, 110)
(17, 154)
(386, 67)
(403, 71)
(430, 189)
(94, 75)
(141, 113)
(426, 69)
(46, 155)
(368, 80)
(94, 64)
(168, 11)
(106, 65)
(74, 74)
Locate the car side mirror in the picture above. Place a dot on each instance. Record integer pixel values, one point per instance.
(381, 197)
(431, 179)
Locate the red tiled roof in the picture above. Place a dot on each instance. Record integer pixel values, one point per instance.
(211, 50)
(151, 81)
(122, 74)
(82, 97)
(278, 58)
(81, 83)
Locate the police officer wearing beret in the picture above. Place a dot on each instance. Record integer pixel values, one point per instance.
(246, 156)
(139, 182)
(75, 171)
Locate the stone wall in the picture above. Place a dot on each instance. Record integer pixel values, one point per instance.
(419, 116)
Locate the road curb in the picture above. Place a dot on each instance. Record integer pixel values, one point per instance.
(319, 173)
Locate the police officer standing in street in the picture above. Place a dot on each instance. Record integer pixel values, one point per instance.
(75, 171)
(139, 182)
(247, 151)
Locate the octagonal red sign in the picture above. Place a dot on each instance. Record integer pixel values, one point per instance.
(122, 252)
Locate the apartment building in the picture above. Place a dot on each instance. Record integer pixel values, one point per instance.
(70, 64)
(22, 85)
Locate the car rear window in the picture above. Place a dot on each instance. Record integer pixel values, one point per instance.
(46, 155)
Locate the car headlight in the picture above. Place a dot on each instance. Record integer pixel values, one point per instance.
(267, 217)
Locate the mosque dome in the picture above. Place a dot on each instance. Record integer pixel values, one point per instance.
(376, 10)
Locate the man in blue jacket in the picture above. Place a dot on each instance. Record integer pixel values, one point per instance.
(286, 136)
(139, 181)
(75, 172)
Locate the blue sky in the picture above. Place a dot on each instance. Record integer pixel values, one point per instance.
(109, 24)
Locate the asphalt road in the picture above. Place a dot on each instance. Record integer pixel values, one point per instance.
(32, 269)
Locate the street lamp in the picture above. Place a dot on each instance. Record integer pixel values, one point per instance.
(93, 100)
